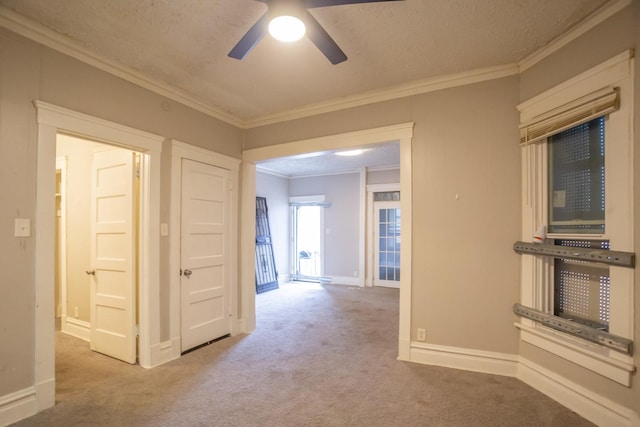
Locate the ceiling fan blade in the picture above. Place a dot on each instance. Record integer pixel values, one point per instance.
(251, 38)
(323, 41)
(326, 3)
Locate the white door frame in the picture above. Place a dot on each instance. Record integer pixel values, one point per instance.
(180, 150)
(61, 247)
(402, 133)
(52, 120)
(375, 188)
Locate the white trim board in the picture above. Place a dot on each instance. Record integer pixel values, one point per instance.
(347, 281)
(76, 328)
(466, 359)
(401, 132)
(52, 120)
(588, 404)
(165, 351)
(598, 16)
(419, 87)
(47, 37)
(582, 353)
(40, 34)
(17, 406)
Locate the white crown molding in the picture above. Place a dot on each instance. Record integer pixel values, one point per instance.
(47, 37)
(319, 174)
(598, 16)
(333, 142)
(43, 35)
(383, 168)
(263, 170)
(413, 88)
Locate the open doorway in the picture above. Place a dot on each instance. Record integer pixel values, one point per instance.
(378, 137)
(97, 223)
(307, 242)
(53, 120)
(307, 238)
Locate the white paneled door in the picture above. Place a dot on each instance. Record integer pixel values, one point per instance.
(112, 273)
(204, 247)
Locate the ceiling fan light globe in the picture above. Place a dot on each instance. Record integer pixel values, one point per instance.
(286, 28)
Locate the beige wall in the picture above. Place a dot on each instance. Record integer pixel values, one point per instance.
(29, 71)
(466, 187)
(465, 143)
(610, 38)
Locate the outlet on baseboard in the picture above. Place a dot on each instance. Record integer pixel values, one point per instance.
(422, 334)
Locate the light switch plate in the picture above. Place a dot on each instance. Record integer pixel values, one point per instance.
(22, 227)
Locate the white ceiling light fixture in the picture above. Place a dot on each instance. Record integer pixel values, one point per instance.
(287, 28)
(286, 20)
(350, 152)
(290, 20)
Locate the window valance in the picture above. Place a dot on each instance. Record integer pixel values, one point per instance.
(579, 111)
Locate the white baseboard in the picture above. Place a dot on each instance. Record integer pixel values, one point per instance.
(590, 405)
(165, 352)
(46, 394)
(283, 278)
(77, 328)
(240, 327)
(404, 350)
(17, 406)
(345, 280)
(464, 358)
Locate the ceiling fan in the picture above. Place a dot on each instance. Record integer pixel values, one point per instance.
(295, 12)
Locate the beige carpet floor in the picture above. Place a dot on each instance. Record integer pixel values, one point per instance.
(321, 356)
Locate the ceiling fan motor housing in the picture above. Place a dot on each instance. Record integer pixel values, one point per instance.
(294, 8)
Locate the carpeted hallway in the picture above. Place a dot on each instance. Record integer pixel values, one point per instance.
(321, 356)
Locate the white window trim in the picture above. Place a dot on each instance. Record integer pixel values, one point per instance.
(536, 271)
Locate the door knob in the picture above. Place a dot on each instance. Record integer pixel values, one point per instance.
(91, 272)
(187, 272)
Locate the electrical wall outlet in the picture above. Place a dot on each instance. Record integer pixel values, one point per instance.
(422, 334)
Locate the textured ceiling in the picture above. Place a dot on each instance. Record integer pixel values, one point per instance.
(184, 43)
(326, 162)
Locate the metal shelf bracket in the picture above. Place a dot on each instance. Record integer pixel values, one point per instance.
(620, 344)
(621, 259)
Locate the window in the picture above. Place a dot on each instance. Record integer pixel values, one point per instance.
(576, 202)
(581, 289)
(576, 179)
(577, 173)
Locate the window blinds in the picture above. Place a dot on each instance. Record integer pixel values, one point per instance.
(572, 114)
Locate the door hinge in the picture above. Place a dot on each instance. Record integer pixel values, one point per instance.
(180, 272)
(137, 331)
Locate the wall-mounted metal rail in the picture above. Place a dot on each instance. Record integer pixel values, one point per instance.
(621, 259)
(623, 345)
